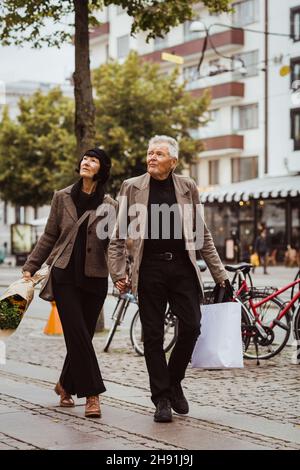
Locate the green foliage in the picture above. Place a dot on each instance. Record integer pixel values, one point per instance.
(10, 315)
(134, 102)
(37, 151)
(157, 17)
(25, 20)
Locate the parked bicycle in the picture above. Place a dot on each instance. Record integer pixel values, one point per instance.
(136, 332)
(295, 288)
(266, 319)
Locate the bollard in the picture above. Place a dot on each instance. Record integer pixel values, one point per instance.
(53, 326)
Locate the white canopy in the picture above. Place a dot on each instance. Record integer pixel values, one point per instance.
(258, 188)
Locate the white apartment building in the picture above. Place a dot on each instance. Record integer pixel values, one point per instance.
(10, 94)
(247, 173)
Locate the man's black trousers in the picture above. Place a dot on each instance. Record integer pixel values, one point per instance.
(174, 282)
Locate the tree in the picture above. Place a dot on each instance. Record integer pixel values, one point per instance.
(133, 103)
(24, 21)
(37, 151)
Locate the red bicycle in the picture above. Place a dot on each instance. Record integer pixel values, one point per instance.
(266, 319)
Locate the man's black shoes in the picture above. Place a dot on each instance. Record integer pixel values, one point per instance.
(163, 413)
(178, 401)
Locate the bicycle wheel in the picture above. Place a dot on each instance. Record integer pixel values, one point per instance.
(116, 321)
(295, 289)
(245, 327)
(170, 333)
(257, 347)
(235, 281)
(297, 325)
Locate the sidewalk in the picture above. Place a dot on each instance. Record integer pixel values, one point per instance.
(252, 408)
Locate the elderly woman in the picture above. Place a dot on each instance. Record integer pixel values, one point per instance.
(79, 276)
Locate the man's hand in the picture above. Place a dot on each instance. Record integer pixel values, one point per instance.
(26, 275)
(222, 284)
(123, 285)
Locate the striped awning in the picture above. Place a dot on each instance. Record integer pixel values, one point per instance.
(259, 188)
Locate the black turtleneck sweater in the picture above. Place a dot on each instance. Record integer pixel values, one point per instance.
(163, 192)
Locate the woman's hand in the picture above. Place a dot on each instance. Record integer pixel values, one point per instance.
(123, 285)
(26, 275)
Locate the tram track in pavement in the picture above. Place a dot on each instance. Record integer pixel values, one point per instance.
(99, 429)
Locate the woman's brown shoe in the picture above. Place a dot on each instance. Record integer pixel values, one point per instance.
(92, 407)
(65, 398)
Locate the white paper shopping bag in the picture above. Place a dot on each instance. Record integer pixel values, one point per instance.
(220, 342)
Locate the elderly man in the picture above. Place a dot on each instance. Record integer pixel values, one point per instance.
(160, 211)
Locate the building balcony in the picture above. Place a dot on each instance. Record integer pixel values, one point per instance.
(99, 31)
(224, 40)
(222, 92)
(222, 145)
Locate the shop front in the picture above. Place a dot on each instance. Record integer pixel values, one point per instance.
(236, 213)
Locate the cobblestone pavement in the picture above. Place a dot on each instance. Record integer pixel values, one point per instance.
(270, 390)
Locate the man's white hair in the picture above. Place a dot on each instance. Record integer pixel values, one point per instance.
(165, 139)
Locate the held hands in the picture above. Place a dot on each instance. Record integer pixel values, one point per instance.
(123, 285)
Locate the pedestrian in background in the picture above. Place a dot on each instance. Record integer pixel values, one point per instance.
(164, 269)
(262, 248)
(79, 276)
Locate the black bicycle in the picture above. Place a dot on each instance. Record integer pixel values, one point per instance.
(170, 332)
(136, 331)
(171, 321)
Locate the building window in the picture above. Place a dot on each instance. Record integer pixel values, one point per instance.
(245, 117)
(213, 168)
(213, 114)
(187, 33)
(295, 23)
(295, 127)
(244, 168)
(245, 12)
(160, 43)
(295, 69)
(190, 74)
(194, 172)
(123, 46)
(250, 61)
(215, 67)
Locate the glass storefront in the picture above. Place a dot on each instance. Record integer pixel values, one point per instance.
(273, 213)
(222, 220)
(242, 221)
(295, 217)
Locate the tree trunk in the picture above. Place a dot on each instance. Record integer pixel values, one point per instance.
(84, 105)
